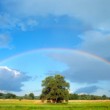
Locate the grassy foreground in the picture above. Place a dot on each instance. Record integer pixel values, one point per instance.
(37, 105)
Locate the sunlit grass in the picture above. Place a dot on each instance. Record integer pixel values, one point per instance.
(37, 105)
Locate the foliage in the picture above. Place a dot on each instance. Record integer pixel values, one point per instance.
(7, 96)
(31, 96)
(87, 97)
(55, 89)
(73, 97)
(104, 97)
(13, 96)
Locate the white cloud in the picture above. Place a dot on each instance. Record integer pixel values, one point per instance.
(11, 80)
(7, 21)
(4, 40)
(94, 12)
(28, 24)
(32, 22)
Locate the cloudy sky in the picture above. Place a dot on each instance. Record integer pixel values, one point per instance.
(39, 38)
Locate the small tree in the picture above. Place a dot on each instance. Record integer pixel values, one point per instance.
(55, 89)
(26, 96)
(104, 97)
(73, 97)
(31, 96)
(10, 96)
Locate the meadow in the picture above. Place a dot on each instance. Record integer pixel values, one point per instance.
(37, 105)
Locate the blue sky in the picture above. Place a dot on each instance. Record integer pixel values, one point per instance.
(39, 38)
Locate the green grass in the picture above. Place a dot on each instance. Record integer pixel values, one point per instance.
(35, 105)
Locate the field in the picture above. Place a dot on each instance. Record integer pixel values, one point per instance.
(37, 105)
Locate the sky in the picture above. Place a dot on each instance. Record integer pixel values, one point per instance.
(39, 38)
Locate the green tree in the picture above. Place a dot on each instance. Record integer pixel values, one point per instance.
(55, 89)
(10, 96)
(104, 97)
(1, 95)
(73, 97)
(31, 96)
(25, 96)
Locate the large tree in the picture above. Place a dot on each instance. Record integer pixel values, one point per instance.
(55, 89)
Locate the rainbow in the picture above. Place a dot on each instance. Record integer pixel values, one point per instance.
(80, 52)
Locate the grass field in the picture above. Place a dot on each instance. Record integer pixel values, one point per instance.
(37, 105)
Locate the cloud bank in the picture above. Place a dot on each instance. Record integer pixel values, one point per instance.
(83, 67)
(11, 80)
(96, 43)
(95, 12)
(87, 90)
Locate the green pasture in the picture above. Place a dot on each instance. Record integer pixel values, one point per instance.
(37, 105)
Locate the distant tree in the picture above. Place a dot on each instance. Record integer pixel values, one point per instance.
(31, 96)
(73, 97)
(83, 97)
(1, 95)
(25, 96)
(55, 89)
(104, 97)
(10, 96)
(87, 97)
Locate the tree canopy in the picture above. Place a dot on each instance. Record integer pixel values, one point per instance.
(55, 89)
(31, 96)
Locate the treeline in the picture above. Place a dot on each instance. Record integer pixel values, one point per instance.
(31, 96)
(7, 96)
(87, 97)
(13, 96)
